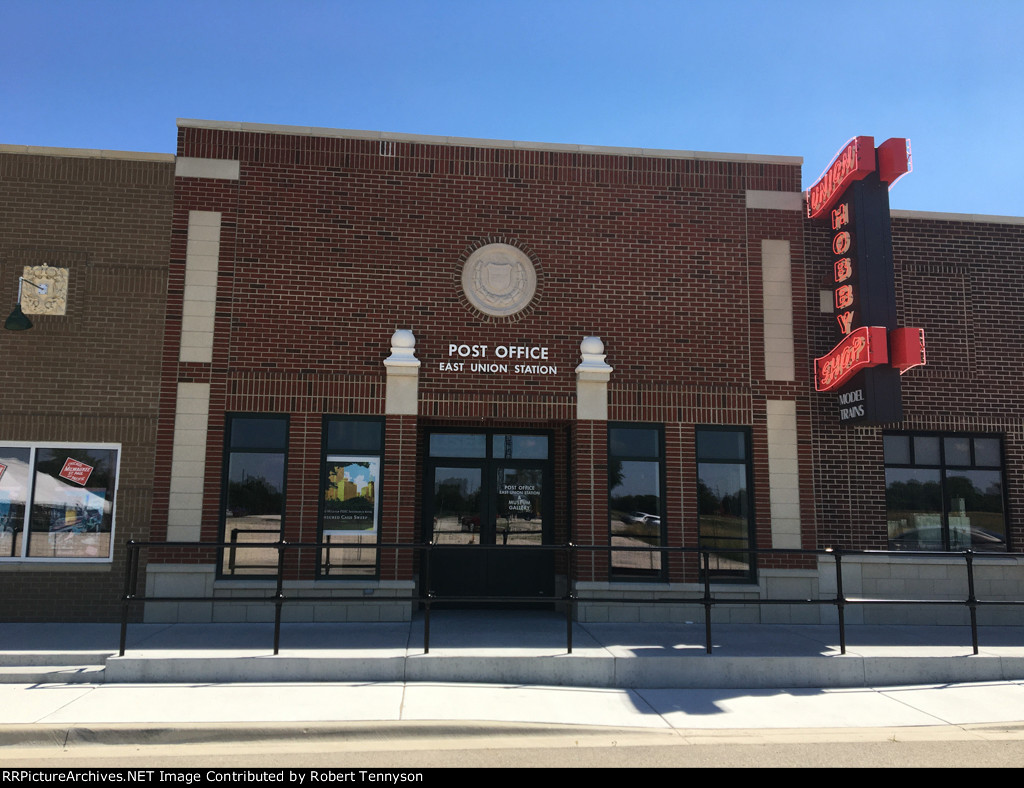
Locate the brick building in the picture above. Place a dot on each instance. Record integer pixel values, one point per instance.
(374, 339)
(83, 383)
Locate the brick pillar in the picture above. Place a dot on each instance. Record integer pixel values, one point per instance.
(590, 473)
(591, 459)
(398, 512)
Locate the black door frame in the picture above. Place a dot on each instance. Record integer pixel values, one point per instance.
(490, 573)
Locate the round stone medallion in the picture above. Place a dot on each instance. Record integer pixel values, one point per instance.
(499, 280)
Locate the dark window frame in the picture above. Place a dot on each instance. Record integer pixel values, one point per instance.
(222, 531)
(749, 575)
(942, 467)
(660, 574)
(325, 451)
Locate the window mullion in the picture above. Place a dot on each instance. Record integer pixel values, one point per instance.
(30, 498)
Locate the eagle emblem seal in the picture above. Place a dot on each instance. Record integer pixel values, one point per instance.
(499, 280)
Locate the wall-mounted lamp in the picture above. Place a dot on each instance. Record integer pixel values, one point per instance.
(17, 320)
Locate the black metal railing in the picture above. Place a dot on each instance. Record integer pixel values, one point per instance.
(232, 562)
(708, 599)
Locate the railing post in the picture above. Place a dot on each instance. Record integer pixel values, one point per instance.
(568, 596)
(231, 552)
(130, 559)
(840, 598)
(426, 595)
(972, 600)
(279, 595)
(708, 602)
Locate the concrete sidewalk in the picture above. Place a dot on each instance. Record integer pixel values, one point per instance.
(178, 713)
(514, 647)
(503, 667)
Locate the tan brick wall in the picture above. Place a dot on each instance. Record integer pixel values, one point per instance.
(92, 375)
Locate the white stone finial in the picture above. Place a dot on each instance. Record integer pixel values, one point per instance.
(403, 337)
(592, 353)
(403, 350)
(591, 346)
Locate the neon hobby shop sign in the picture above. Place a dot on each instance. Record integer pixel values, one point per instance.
(853, 162)
(498, 359)
(871, 352)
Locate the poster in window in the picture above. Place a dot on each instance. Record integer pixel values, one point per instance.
(75, 471)
(350, 495)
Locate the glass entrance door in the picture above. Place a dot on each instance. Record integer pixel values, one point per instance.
(457, 498)
(519, 505)
(487, 508)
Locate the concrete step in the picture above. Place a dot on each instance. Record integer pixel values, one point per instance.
(511, 648)
(52, 674)
(30, 658)
(53, 667)
(582, 670)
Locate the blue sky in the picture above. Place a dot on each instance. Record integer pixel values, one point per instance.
(785, 77)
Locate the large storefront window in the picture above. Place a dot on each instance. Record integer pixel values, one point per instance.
(725, 522)
(944, 492)
(636, 500)
(57, 501)
(350, 496)
(253, 497)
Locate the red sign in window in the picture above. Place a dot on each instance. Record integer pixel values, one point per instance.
(2, 469)
(75, 471)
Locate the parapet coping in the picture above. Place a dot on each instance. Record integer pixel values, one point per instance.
(426, 139)
(956, 217)
(87, 153)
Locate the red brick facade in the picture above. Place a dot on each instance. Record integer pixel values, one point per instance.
(330, 244)
(956, 277)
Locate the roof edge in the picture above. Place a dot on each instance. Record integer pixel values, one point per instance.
(957, 217)
(426, 139)
(87, 153)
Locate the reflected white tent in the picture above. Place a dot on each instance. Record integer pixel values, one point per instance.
(50, 492)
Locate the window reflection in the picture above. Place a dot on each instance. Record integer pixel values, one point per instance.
(520, 447)
(14, 491)
(635, 512)
(634, 442)
(255, 504)
(723, 508)
(725, 522)
(457, 515)
(938, 498)
(913, 501)
(458, 445)
(975, 505)
(255, 494)
(72, 503)
(349, 555)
